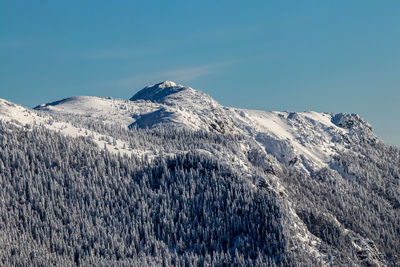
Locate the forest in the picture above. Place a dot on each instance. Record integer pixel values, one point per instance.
(67, 202)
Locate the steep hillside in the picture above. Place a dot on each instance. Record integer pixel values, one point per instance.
(181, 179)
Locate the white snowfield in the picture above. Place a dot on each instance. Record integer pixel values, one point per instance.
(306, 141)
(303, 140)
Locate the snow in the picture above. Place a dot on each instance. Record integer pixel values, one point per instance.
(305, 135)
(22, 116)
(158, 91)
(306, 141)
(303, 140)
(10, 111)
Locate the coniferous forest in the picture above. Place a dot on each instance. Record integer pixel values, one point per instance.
(199, 133)
(67, 202)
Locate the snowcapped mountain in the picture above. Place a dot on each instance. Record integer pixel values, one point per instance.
(315, 164)
(305, 140)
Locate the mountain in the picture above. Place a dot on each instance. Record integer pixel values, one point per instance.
(171, 176)
(309, 139)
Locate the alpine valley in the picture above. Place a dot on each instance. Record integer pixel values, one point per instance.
(172, 178)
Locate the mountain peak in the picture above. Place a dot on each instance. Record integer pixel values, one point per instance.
(166, 84)
(158, 91)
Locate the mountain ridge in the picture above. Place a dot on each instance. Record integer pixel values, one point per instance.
(308, 140)
(293, 155)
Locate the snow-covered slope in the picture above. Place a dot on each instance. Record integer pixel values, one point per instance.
(28, 118)
(10, 111)
(305, 142)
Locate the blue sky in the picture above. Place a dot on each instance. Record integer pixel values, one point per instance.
(330, 56)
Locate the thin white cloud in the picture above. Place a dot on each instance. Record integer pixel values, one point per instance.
(187, 74)
(178, 75)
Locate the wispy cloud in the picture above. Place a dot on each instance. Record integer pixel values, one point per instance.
(179, 75)
(187, 74)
